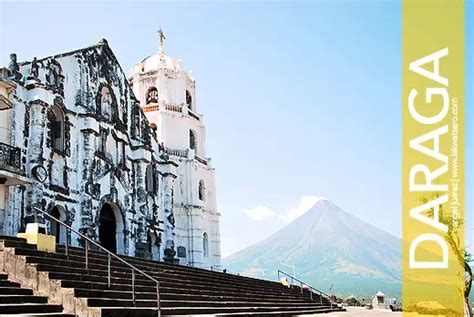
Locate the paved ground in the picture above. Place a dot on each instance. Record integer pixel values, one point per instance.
(361, 312)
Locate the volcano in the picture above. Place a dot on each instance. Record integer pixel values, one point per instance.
(331, 250)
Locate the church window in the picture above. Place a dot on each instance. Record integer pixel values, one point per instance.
(189, 100)
(192, 140)
(121, 111)
(205, 245)
(152, 95)
(201, 190)
(151, 184)
(103, 142)
(181, 252)
(106, 102)
(56, 121)
(120, 153)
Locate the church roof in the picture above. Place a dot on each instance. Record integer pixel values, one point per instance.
(104, 50)
(102, 43)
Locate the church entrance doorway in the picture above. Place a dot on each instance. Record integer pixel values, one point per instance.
(108, 228)
(54, 226)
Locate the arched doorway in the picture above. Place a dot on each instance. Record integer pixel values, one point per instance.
(54, 226)
(108, 228)
(149, 243)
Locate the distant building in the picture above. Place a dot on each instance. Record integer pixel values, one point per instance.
(379, 300)
(121, 160)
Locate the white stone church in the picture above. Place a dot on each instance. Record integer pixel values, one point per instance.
(120, 158)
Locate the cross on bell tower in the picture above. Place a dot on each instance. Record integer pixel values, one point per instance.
(162, 36)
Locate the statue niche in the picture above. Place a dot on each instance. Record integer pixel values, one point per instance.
(53, 74)
(106, 103)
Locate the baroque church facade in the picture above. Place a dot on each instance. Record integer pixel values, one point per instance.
(120, 159)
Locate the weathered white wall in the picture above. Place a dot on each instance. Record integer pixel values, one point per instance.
(80, 179)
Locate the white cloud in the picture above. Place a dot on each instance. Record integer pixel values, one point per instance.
(305, 203)
(259, 213)
(286, 216)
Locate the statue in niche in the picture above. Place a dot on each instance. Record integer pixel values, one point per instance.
(53, 75)
(106, 102)
(34, 72)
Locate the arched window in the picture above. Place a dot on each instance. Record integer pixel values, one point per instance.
(56, 121)
(106, 102)
(201, 190)
(181, 252)
(152, 95)
(151, 179)
(205, 245)
(192, 140)
(189, 100)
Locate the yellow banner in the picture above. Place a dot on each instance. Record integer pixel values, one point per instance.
(433, 157)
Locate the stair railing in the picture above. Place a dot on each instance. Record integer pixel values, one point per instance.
(110, 255)
(311, 289)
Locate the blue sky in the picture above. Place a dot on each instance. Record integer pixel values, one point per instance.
(300, 99)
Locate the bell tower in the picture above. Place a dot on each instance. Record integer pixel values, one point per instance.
(167, 95)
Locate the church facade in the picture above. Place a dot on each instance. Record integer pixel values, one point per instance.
(119, 158)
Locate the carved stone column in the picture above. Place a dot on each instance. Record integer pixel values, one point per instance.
(140, 220)
(90, 189)
(34, 194)
(169, 221)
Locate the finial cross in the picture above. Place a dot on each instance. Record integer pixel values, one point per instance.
(162, 36)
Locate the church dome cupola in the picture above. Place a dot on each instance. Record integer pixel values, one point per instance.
(159, 61)
(160, 81)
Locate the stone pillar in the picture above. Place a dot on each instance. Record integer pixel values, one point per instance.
(141, 211)
(34, 193)
(169, 221)
(90, 190)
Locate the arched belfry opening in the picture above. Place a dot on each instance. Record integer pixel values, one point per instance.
(189, 100)
(192, 140)
(108, 228)
(152, 95)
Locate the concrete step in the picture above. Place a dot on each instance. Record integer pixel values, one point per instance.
(12, 299)
(106, 302)
(39, 314)
(30, 308)
(6, 283)
(181, 295)
(15, 291)
(9, 238)
(148, 312)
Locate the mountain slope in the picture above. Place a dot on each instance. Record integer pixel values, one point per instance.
(327, 246)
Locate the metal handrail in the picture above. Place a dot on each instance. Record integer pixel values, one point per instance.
(109, 262)
(321, 293)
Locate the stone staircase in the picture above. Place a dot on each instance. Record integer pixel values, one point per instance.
(65, 282)
(15, 300)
